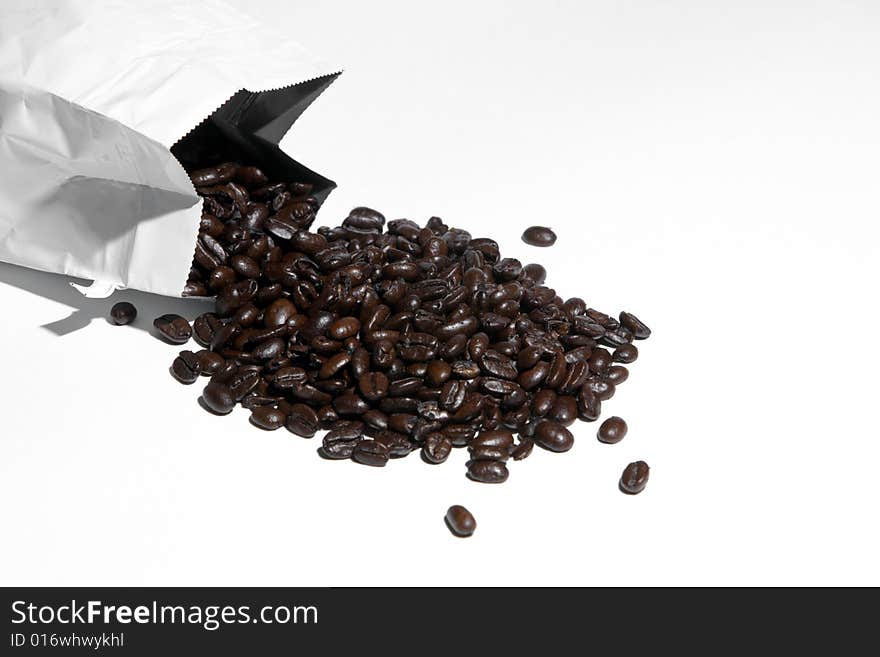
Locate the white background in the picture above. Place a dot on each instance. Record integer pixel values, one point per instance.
(713, 169)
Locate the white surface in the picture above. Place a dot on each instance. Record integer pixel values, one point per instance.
(713, 170)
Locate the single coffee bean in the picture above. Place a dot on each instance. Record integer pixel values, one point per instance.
(487, 472)
(268, 417)
(209, 362)
(634, 478)
(370, 452)
(173, 328)
(123, 313)
(626, 353)
(302, 420)
(460, 521)
(500, 438)
(553, 436)
(186, 367)
(539, 236)
(218, 398)
(436, 448)
(612, 430)
(638, 328)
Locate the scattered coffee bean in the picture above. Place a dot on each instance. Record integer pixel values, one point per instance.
(123, 313)
(539, 236)
(394, 336)
(612, 430)
(634, 478)
(460, 521)
(173, 328)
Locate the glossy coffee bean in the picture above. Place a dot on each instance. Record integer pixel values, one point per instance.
(638, 328)
(460, 521)
(268, 417)
(612, 430)
(371, 452)
(123, 313)
(173, 328)
(218, 398)
(302, 420)
(539, 236)
(634, 478)
(522, 451)
(487, 472)
(436, 448)
(626, 353)
(187, 367)
(553, 436)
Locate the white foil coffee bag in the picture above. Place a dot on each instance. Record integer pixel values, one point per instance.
(102, 105)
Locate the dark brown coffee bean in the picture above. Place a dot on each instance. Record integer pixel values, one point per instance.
(564, 410)
(123, 313)
(499, 438)
(539, 236)
(218, 398)
(460, 521)
(523, 450)
(268, 417)
(370, 452)
(173, 328)
(375, 385)
(302, 420)
(632, 323)
(397, 444)
(553, 436)
(626, 353)
(612, 430)
(187, 367)
(209, 362)
(436, 448)
(487, 472)
(534, 273)
(634, 478)
(344, 328)
(589, 405)
(616, 374)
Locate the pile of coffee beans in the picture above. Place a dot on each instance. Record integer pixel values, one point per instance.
(394, 337)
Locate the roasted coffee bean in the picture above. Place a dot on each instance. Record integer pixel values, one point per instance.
(370, 452)
(209, 362)
(436, 448)
(539, 236)
(612, 430)
(564, 410)
(534, 273)
(123, 313)
(375, 419)
(553, 436)
(302, 420)
(523, 450)
(373, 386)
(634, 478)
(417, 337)
(218, 398)
(460, 521)
(344, 328)
(632, 323)
(487, 472)
(499, 438)
(397, 444)
(616, 374)
(268, 417)
(186, 367)
(589, 405)
(173, 328)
